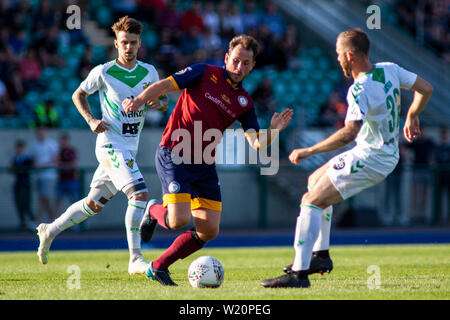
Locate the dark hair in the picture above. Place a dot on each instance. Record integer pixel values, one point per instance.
(356, 41)
(247, 42)
(127, 24)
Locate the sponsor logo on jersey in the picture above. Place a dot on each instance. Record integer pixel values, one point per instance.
(214, 79)
(226, 99)
(243, 101)
(174, 187)
(220, 104)
(132, 114)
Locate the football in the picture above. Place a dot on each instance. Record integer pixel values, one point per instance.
(206, 272)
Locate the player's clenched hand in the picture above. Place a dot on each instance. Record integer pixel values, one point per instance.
(131, 104)
(281, 120)
(98, 126)
(411, 130)
(299, 154)
(160, 104)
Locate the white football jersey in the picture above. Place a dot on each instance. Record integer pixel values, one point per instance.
(374, 98)
(114, 84)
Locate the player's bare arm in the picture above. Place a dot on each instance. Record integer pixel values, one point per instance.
(150, 94)
(337, 140)
(278, 123)
(422, 93)
(79, 98)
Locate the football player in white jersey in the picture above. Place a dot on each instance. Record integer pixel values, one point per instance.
(117, 142)
(372, 121)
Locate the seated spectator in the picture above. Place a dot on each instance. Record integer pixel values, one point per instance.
(265, 105)
(211, 18)
(232, 24)
(47, 46)
(167, 52)
(86, 64)
(30, 70)
(45, 115)
(44, 18)
(274, 19)
(192, 18)
(169, 16)
(250, 18)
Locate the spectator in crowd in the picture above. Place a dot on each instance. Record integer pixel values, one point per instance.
(45, 152)
(169, 16)
(86, 64)
(68, 183)
(45, 115)
(44, 17)
(250, 18)
(422, 149)
(21, 165)
(232, 23)
(192, 18)
(211, 18)
(30, 70)
(167, 53)
(274, 19)
(427, 21)
(290, 47)
(47, 48)
(265, 104)
(442, 157)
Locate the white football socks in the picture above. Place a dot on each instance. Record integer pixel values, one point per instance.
(74, 214)
(323, 240)
(306, 233)
(133, 218)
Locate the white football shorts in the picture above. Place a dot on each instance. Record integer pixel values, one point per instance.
(117, 168)
(356, 170)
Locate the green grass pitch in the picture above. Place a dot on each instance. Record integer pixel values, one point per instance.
(405, 272)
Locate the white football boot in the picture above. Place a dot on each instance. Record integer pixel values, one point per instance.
(45, 242)
(138, 266)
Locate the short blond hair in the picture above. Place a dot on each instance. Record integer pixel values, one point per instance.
(127, 24)
(356, 41)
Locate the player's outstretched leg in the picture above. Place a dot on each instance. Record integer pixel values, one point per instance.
(148, 224)
(76, 213)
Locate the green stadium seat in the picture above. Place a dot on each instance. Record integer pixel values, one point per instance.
(150, 39)
(104, 16)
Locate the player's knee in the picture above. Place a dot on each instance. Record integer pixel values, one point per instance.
(314, 199)
(137, 188)
(178, 215)
(142, 196)
(178, 219)
(209, 234)
(93, 206)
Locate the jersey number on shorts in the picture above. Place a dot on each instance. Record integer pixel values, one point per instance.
(393, 104)
(130, 128)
